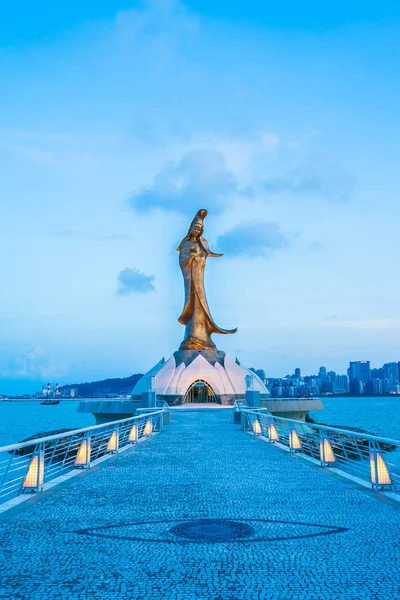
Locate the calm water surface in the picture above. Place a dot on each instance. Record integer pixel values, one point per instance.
(380, 416)
(19, 420)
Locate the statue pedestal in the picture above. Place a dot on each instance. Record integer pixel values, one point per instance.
(226, 378)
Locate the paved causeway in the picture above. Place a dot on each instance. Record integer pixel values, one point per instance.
(202, 511)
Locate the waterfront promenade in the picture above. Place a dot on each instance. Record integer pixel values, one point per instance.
(271, 526)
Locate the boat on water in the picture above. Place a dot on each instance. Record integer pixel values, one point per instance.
(49, 402)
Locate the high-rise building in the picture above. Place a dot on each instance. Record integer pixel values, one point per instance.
(341, 384)
(377, 373)
(260, 373)
(322, 373)
(360, 370)
(297, 373)
(391, 373)
(377, 386)
(359, 373)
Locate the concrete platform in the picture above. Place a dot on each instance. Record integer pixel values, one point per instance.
(204, 511)
(200, 406)
(296, 408)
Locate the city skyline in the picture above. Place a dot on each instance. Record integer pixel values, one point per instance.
(121, 119)
(384, 379)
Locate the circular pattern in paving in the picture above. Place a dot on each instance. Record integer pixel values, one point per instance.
(212, 530)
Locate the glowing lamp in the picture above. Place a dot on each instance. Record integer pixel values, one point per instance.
(147, 428)
(83, 456)
(379, 472)
(34, 478)
(272, 433)
(112, 445)
(326, 453)
(257, 427)
(294, 441)
(133, 435)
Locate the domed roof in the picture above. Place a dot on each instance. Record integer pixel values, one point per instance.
(171, 379)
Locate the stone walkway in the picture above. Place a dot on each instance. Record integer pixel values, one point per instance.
(129, 529)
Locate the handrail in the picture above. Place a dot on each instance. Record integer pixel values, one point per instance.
(362, 456)
(366, 436)
(29, 465)
(69, 433)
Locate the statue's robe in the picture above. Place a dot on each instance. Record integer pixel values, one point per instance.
(196, 314)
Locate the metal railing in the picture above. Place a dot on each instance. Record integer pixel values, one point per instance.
(27, 466)
(239, 405)
(162, 404)
(368, 458)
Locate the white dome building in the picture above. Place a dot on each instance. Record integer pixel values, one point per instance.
(199, 376)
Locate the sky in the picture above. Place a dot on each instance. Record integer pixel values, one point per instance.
(119, 120)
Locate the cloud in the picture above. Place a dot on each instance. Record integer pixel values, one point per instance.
(317, 176)
(252, 239)
(133, 280)
(35, 364)
(204, 175)
(200, 176)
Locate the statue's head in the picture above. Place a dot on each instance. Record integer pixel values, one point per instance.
(196, 229)
(197, 226)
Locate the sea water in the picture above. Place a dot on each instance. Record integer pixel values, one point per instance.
(377, 415)
(19, 420)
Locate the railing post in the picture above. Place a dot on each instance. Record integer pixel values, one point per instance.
(88, 449)
(245, 421)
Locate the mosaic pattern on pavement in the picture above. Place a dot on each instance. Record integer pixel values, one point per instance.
(203, 511)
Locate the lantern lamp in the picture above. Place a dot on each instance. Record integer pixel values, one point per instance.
(257, 427)
(294, 441)
(380, 477)
(113, 442)
(35, 476)
(326, 453)
(272, 433)
(133, 435)
(83, 456)
(148, 428)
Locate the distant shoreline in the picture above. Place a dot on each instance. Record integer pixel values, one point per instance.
(61, 399)
(322, 397)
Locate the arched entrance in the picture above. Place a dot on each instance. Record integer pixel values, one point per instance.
(200, 393)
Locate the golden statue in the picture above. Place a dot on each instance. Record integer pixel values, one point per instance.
(193, 251)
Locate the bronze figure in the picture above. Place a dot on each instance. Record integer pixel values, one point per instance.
(199, 324)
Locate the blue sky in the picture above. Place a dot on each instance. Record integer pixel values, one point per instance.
(118, 121)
